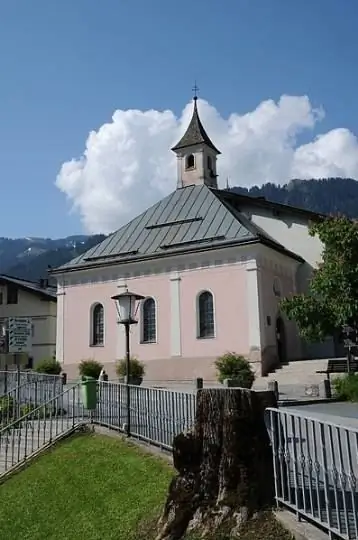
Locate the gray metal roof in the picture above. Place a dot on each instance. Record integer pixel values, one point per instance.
(189, 218)
(46, 291)
(195, 134)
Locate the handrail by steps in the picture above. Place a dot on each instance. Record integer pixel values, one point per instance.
(28, 434)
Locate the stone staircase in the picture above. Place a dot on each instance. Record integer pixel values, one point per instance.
(295, 379)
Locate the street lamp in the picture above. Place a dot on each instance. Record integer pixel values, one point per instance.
(127, 304)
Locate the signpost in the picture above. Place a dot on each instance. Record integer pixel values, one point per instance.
(20, 335)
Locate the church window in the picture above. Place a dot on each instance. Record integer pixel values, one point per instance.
(210, 163)
(205, 315)
(97, 325)
(190, 162)
(277, 287)
(149, 321)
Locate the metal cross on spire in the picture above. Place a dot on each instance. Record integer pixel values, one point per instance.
(195, 89)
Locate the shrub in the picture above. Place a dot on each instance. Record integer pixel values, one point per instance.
(137, 369)
(346, 387)
(7, 408)
(49, 366)
(90, 368)
(234, 366)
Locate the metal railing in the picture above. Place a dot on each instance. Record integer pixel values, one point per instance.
(31, 392)
(11, 379)
(316, 470)
(156, 415)
(29, 432)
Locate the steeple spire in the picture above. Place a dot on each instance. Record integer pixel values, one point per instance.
(195, 134)
(196, 153)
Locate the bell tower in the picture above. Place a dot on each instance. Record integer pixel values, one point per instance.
(196, 154)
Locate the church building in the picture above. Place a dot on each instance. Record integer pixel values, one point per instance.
(212, 266)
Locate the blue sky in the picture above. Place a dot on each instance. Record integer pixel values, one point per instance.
(67, 65)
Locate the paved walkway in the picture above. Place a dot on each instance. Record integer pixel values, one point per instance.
(341, 413)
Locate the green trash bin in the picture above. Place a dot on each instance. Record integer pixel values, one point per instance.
(89, 392)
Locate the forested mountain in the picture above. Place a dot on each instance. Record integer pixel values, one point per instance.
(30, 258)
(326, 196)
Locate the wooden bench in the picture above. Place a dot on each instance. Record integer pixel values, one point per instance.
(339, 365)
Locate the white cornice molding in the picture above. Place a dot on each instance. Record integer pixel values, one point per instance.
(238, 256)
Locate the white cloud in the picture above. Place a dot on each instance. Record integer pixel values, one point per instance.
(127, 164)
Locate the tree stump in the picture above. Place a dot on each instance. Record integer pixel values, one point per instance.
(225, 465)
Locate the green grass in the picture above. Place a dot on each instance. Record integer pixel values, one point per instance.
(89, 487)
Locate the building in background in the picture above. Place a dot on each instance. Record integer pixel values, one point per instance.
(212, 266)
(27, 321)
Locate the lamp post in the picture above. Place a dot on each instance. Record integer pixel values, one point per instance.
(127, 304)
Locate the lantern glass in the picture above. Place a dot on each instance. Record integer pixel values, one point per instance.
(127, 304)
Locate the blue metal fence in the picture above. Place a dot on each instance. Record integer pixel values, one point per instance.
(316, 470)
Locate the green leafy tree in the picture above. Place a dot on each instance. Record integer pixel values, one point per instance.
(332, 297)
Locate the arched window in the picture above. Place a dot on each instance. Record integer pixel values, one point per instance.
(210, 163)
(276, 287)
(206, 323)
(149, 321)
(97, 325)
(190, 161)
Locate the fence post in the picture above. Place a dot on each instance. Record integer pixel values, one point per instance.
(327, 388)
(272, 386)
(18, 382)
(5, 379)
(199, 383)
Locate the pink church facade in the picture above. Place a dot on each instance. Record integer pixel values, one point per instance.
(243, 297)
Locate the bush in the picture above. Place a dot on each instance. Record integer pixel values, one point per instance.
(90, 368)
(346, 387)
(7, 408)
(137, 369)
(49, 366)
(233, 366)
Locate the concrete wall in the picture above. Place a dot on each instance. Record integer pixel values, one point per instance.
(292, 233)
(277, 280)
